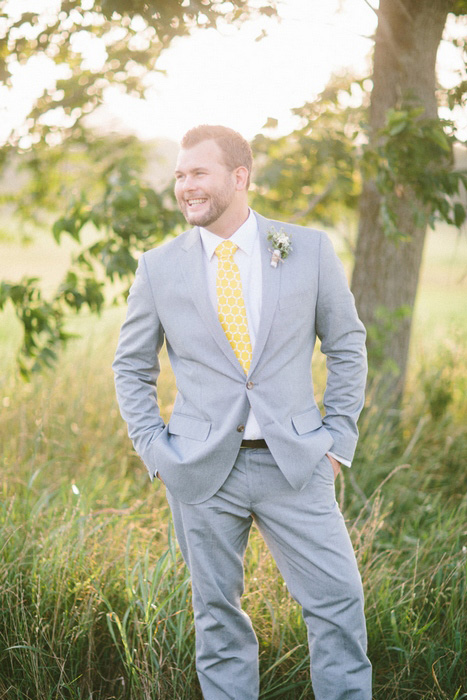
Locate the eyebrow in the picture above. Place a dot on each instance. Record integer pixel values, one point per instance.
(190, 170)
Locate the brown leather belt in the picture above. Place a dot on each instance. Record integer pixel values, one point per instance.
(254, 444)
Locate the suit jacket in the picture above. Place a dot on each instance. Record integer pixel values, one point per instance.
(305, 296)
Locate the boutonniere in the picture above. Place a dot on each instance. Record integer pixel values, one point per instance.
(281, 245)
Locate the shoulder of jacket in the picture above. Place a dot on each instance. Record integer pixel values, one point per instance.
(167, 248)
(302, 232)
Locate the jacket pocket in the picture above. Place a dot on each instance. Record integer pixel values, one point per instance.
(307, 421)
(189, 427)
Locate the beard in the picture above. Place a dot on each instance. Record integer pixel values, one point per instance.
(217, 203)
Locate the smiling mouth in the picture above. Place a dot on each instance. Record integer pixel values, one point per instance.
(194, 202)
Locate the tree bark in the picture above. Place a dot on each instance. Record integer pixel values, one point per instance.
(386, 271)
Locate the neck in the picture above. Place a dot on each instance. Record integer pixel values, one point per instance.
(226, 227)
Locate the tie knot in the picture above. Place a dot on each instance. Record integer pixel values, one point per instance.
(225, 250)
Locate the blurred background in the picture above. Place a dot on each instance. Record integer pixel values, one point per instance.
(356, 111)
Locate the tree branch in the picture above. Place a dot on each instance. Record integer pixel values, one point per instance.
(371, 7)
(314, 202)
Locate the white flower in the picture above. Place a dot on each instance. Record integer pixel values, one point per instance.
(281, 244)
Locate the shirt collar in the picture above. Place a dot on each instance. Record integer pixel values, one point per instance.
(244, 237)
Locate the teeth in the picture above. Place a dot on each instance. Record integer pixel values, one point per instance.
(191, 202)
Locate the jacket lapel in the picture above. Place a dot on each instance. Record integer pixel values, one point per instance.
(271, 277)
(194, 272)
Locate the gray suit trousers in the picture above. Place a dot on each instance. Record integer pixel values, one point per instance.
(308, 539)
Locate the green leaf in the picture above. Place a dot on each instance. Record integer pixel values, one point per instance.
(439, 137)
(398, 127)
(271, 123)
(57, 229)
(459, 214)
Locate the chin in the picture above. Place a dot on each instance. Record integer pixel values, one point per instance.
(199, 220)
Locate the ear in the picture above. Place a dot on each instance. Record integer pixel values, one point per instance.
(241, 178)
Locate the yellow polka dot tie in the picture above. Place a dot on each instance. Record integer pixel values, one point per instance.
(230, 304)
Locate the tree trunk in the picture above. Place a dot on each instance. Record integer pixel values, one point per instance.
(386, 271)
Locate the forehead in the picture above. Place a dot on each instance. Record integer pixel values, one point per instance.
(206, 154)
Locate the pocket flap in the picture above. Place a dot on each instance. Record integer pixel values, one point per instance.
(307, 421)
(189, 427)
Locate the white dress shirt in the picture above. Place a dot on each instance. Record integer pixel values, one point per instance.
(248, 259)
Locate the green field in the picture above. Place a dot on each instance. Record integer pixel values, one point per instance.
(95, 599)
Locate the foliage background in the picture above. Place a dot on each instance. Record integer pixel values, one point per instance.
(94, 598)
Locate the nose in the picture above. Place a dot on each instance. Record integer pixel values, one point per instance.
(188, 183)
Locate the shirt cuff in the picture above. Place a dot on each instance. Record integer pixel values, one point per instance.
(340, 459)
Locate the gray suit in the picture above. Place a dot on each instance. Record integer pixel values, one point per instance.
(198, 452)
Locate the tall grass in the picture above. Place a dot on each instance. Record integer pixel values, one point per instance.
(94, 596)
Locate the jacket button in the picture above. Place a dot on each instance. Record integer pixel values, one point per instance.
(240, 428)
(249, 385)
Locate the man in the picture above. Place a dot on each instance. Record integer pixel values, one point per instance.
(246, 440)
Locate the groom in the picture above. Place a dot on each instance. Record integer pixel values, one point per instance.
(246, 440)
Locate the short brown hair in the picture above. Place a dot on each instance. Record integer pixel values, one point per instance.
(235, 148)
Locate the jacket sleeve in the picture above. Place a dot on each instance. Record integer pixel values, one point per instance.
(136, 367)
(342, 336)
